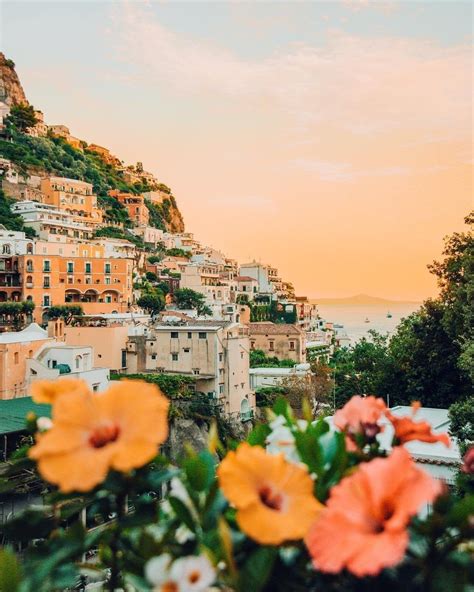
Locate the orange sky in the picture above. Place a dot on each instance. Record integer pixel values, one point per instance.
(338, 149)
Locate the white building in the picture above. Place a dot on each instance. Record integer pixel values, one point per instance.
(273, 376)
(15, 243)
(206, 279)
(67, 361)
(46, 219)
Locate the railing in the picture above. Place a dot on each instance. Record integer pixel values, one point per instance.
(246, 415)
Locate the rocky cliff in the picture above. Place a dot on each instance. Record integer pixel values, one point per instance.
(11, 91)
(46, 155)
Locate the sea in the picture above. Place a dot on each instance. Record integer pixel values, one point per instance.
(353, 317)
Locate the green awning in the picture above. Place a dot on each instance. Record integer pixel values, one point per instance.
(14, 411)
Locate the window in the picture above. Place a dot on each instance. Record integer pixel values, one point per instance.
(46, 265)
(271, 346)
(88, 267)
(89, 280)
(46, 300)
(70, 280)
(70, 267)
(196, 371)
(124, 358)
(107, 268)
(221, 357)
(190, 335)
(6, 249)
(292, 346)
(153, 356)
(29, 265)
(46, 282)
(252, 345)
(107, 280)
(174, 334)
(221, 389)
(174, 357)
(16, 358)
(202, 335)
(78, 362)
(108, 299)
(186, 350)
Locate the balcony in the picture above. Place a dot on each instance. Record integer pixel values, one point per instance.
(246, 416)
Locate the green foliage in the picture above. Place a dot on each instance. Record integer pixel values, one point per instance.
(461, 415)
(153, 303)
(10, 571)
(175, 252)
(174, 386)
(114, 211)
(265, 396)
(65, 311)
(151, 276)
(186, 299)
(258, 359)
(156, 215)
(116, 232)
(22, 117)
(11, 221)
(154, 259)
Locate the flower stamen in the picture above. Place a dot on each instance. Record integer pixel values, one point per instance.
(103, 435)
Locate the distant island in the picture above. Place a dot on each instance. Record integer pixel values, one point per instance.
(362, 299)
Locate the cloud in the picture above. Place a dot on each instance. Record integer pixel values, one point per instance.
(361, 86)
(343, 171)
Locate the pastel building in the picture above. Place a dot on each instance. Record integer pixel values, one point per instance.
(135, 206)
(73, 196)
(280, 340)
(215, 354)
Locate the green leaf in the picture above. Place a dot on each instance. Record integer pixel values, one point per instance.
(309, 450)
(258, 435)
(257, 569)
(200, 470)
(10, 571)
(282, 407)
(182, 512)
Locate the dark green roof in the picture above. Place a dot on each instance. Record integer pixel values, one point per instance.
(14, 411)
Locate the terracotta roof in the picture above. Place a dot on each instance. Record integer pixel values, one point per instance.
(245, 278)
(274, 329)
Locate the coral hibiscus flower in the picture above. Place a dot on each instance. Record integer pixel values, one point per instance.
(92, 433)
(360, 416)
(406, 429)
(364, 526)
(274, 498)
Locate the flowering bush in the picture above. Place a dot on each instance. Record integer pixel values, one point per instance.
(297, 507)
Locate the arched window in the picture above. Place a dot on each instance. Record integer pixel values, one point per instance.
(29, 249)
(16, 357)
(78, 362)
(6, 249)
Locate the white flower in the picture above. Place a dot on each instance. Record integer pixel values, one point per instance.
(178, 490)
(43, 424)
(157, 569)
(281, 440)
(193, 574)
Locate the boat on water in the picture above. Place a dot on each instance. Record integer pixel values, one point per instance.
(389, 315)
(367, 320)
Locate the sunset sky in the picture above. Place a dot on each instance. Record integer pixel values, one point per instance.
(332, 139)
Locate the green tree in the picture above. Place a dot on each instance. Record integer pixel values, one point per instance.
(461, 427)
(175, 252)
(187, 299)
(152, 302)
(65, 311)
(23, 117)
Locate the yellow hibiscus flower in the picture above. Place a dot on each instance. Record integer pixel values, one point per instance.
(92, 433)
(274, 498)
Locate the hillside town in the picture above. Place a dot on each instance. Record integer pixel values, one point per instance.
(80, 290)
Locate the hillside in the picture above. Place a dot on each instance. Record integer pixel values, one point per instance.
(49, 154)
(361, 299)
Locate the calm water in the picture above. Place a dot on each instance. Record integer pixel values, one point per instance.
(353, 317)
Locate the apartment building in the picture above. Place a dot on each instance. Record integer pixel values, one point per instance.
(46, 219)
(206, 279)
(215, 354)
(73, 196)
(135, 206)
(280, 340)
(99, 285)
(260, 273)
(246, 287)
(306, 314)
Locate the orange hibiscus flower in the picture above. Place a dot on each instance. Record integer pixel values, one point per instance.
(47, 391)
(274, 498)
(92, 433)
(360, 416)
(364, 526)
(406, 429)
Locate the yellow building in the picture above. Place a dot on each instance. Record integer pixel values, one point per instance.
(73, 196)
